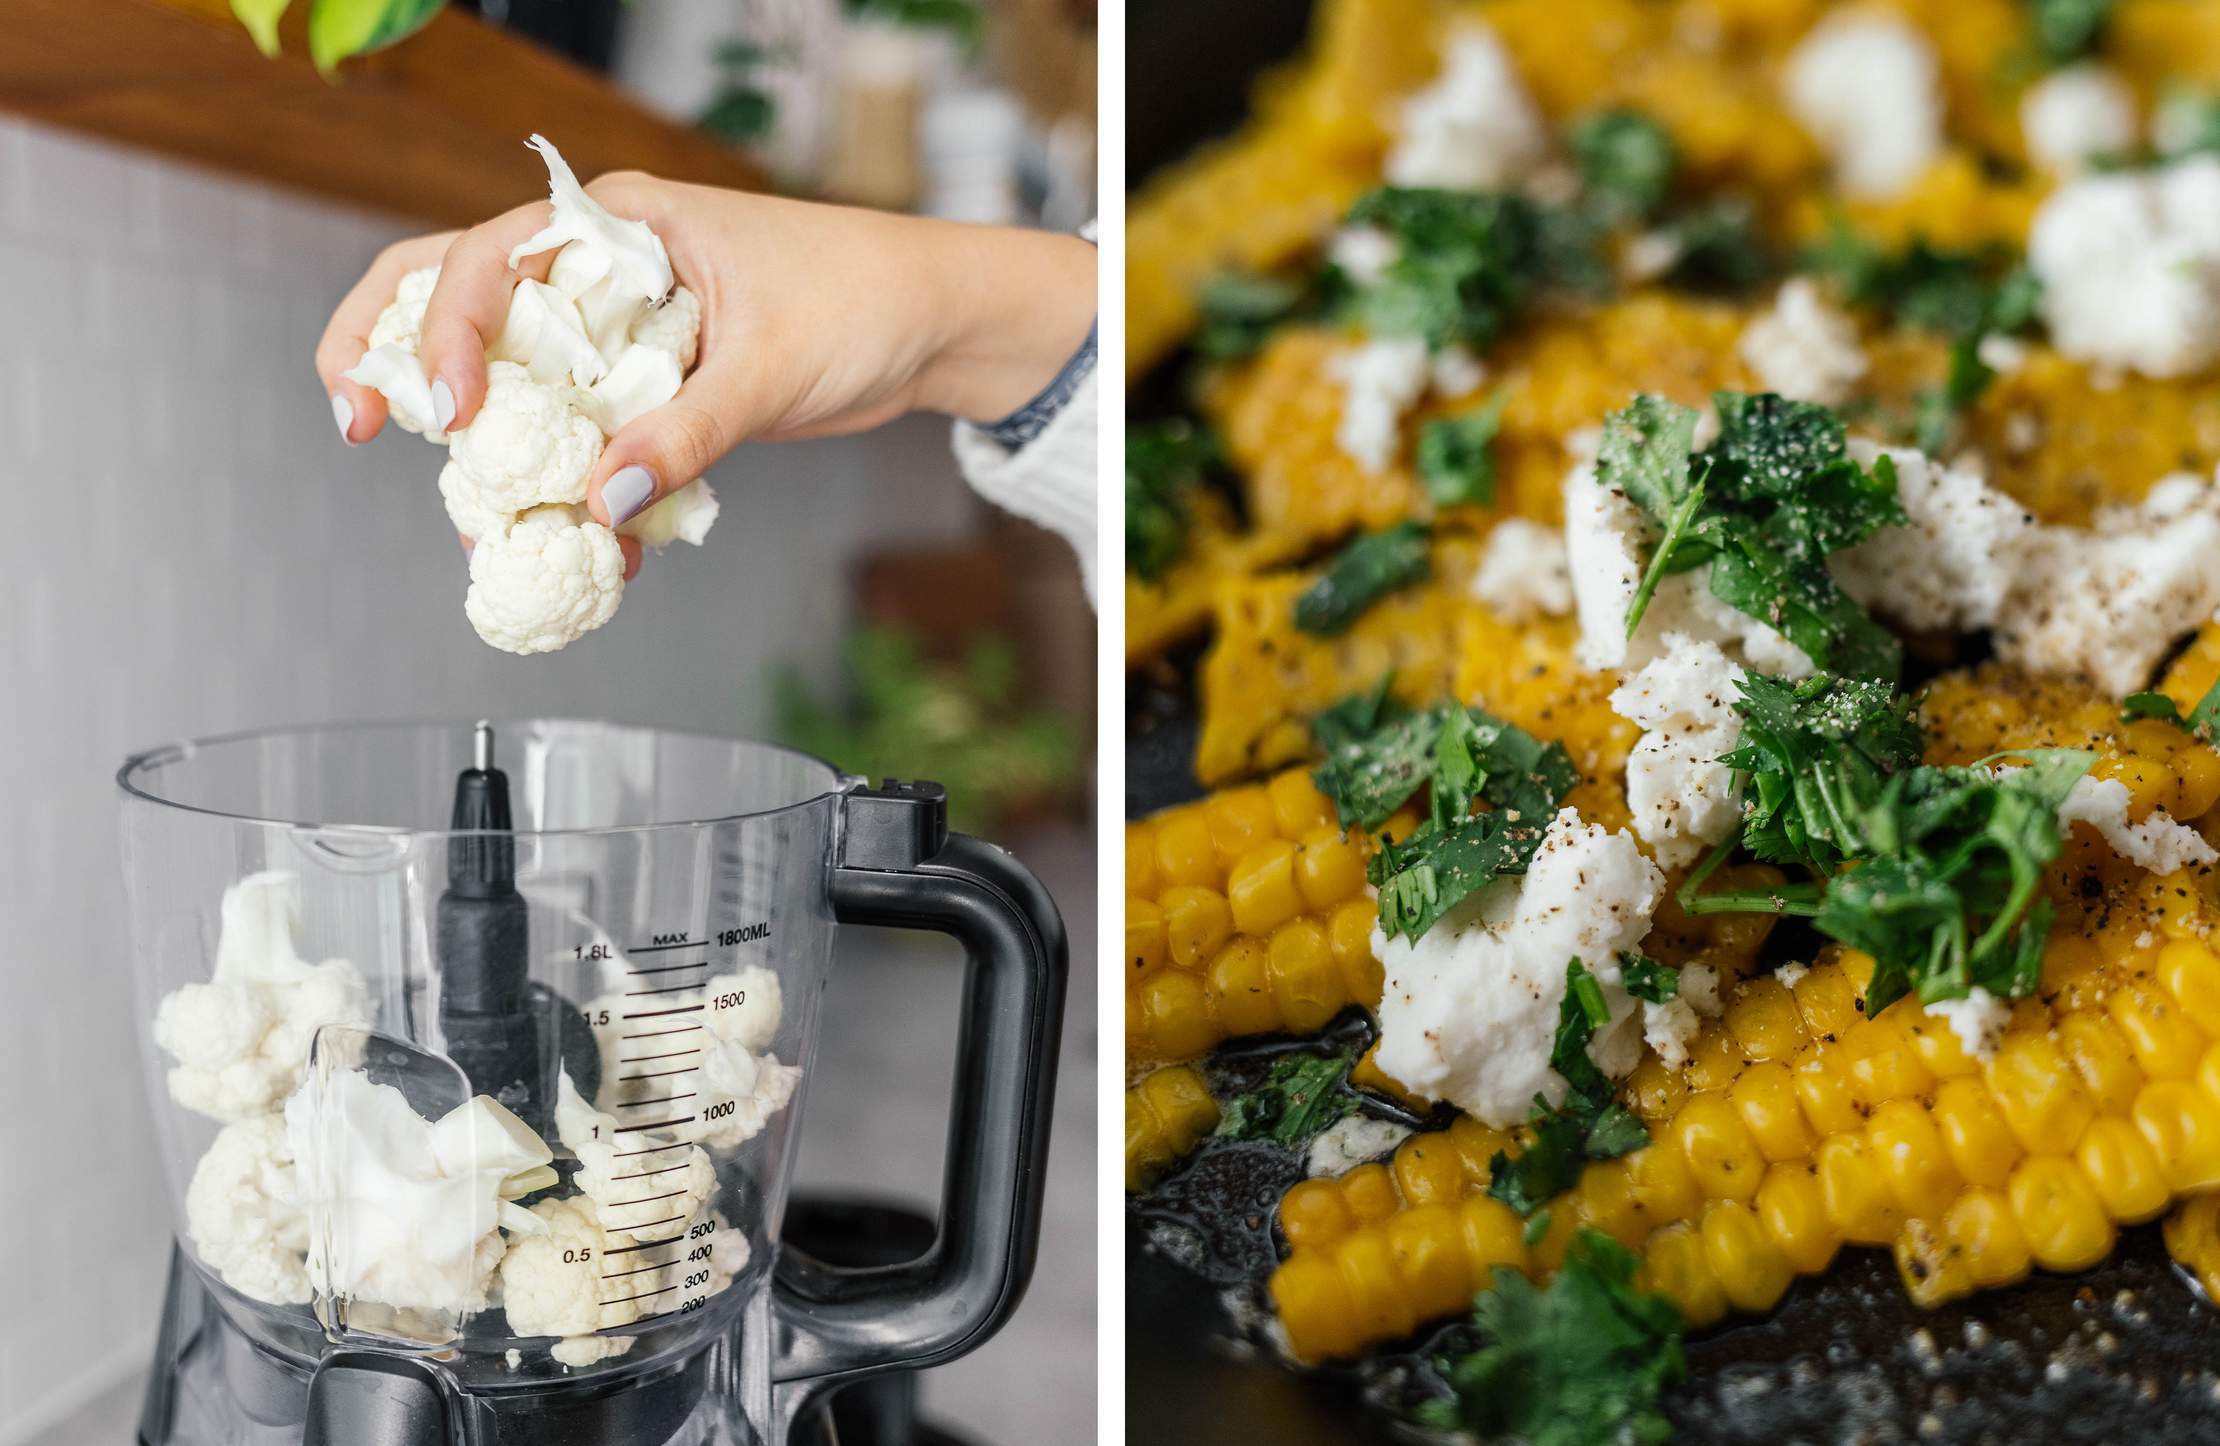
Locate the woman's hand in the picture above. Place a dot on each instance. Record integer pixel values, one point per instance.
(816, 321)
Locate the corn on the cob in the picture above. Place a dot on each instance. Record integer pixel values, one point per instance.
(1166, 1115)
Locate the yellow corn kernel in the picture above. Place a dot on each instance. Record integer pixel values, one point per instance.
(1314, 1306)
(1177, 1014)
(1982, 1146)
(1184, 853)
(2208, 1072)
(1297, 805)
(1675, 1267)
(1937, 1046)
(1144, 936)
(1719, 1151)
(1493, 1235)
(2120, 1166)
(2197, 777)
(1313, 1214)
(2191, 973)
(2101, 1056)
(1981, 1224)
(1427, 1242)
(1240, 819)
(1260, 888)
(2166, 1044)
(1793, 1210)
(1165, 1115)
(2035, 1087)
(2178, 910)
(1605, 1201)
(1823, 1089)
(2181, 1123)
(2072, 964)
(1881, 1063)
(1764, 1020)
(1427, 1170)
(1349, 936)
(1714, 1058)
(1477, 1145)
(1857, 968)
(1750, 1268)
(1765, 1097)
(1913, 1159)
(1661, 1182)
(1328, 869)
(1140, 859)
(2193, 1238)
(1362, 976)
(1305, 982)
(1931, 1265)
(1369, 1192)
(1241, 981)
(1855, 1190)
(1828, 1001)
(1545, 1255)
(1197, 923)
(2064, 1222)
(1653, 1091)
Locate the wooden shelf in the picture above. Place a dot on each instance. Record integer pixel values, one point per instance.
(432, 128)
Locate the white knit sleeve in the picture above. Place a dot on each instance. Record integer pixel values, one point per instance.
(1050, 480)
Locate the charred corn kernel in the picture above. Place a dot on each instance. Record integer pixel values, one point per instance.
(1314, 1306)
(1881, 1063)
(1145, 947)
(1381, 1308)
(1427, 1242)
(1605, 1201)
(1911, 1156)
(1366, 1074)
(1988, 1237)
(2064, 1222)
(1828, 1001)
(1931, 1265)
(1823, 1089)
(1764, 1020)
(2181, 1123)
(1937, 1047)
(2102, 1059)
(1982, 1146)
(1260, 888)
(1328, 869)
(1765, 1097)
(1427, 1169)
(2034, 1086)
(1855, 1190)
(1719, 1151)
(1240, 819)
(1140, 859)
(1178, 1017)
(1165, 1115)
(1197, 923)
(1297, 805)
(1369, 1192)
(2193, 1238)
(1493, 1235)
(2191, 974)
(1313, 1214)
(1675, 1266)
(1794, 1213)
(1477, 1145)
(1714, 1059)
(1653, 1091)
(2119, 1166)
(1240, 978)
(1749, 1267)
(2165, 1043)
(1305, 983)
(1184, 852)
(1662, 1183)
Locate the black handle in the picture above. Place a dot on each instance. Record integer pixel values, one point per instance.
(369, 1398)
(898, 865)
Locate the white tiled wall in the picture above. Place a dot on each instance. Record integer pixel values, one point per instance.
(186, 547)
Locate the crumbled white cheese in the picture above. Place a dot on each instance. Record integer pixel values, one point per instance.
(1350, 1142)
(1475, 128)
(1469, 1011)
(1954, 566)
(1682, 798)
(2106, 602)
(1864, 83)
(2075, 115)
(1380, 379)
(1803, 348)
(1456, 372)
(1978, 1020)
(1523, 573)
(2158, 843)
(2130, 267)
(1699, 985)
(1364, 253)
(1791, 975)
(2002, 354)
(1669, 1029)
(1649, 255)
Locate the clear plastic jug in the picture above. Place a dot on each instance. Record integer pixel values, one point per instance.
(478, 1063)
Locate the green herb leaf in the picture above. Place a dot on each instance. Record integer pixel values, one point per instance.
(2067, 30)
(2203, 722)
(1466, 262)
(1644, 453)
(1719, 248)
(1812, 754)
(1537, 1229)
(1626, 163)
(1365, 571)
(1581, 1362)
(1240, 309)
(1590, 1125)
(1436, 869)
(1164, 463)
(1455, 456)
(1356, 717)
(1301, 1096)
(1645, 978)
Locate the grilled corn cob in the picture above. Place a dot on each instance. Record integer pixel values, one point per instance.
(1166, 1115)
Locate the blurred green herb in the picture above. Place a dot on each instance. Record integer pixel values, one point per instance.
(1164, 463)
(1362, 573)
(1301, 1096)
(1456, 456)
(742, 111)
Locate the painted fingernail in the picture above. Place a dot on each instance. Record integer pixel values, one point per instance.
(626, 493)
(343, 412)
(443, 403)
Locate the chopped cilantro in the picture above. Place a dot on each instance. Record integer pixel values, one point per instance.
(1719, 249)
(1581, 1361)
(2203, 722)
(1355, 717)
(1164, 462)
(1466, 262)
(1301, 1096)
(1626, 163)
(1811, 754)
(1590, 1125)
(2067, 30)
(1537, 1229)
(1456, 459)
(1365, 571)
(1435, 869)
(1240, 309)
(1645, 978)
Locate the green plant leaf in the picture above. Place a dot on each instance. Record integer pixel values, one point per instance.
(341, 29)
(260, 17)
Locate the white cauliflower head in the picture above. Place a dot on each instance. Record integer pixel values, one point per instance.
(675, 327)
(637, 261)
(241, 1214)
(529, 444)
(552, 577)
(544, 334)
(401, 324)
(472, 518)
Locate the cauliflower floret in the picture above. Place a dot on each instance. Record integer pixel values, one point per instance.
(1956, 562)
(551, 1285)
(1803, 348)
(1864, 84)
(529, 444)
(753, 1023)
(1523, 573)
(401, 324)
(552, 577)
(241, 1039)
(241, 1214)
(684, 1182)
(684, 516)
(544, 334)
(2076, 115)
(673, 327)
(636, 260)
(643, 379)
(399, 377)
(1682, 798)
(471, 517)
(1474, 128)
(756, 1086)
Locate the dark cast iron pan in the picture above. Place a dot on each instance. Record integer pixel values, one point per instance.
(2122, 1355)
